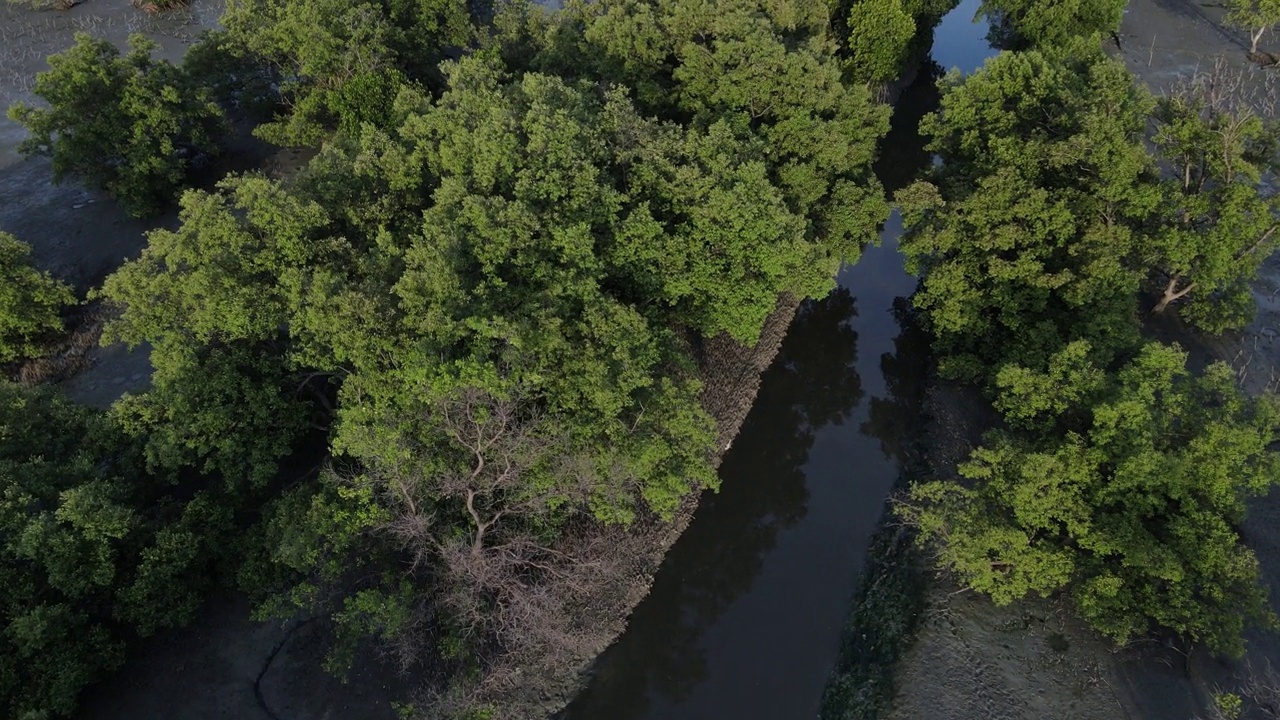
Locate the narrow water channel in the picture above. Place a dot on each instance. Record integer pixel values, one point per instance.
(745, 614)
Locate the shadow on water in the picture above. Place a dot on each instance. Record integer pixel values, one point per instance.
(812, 384)
(904, 370)
(902, 155)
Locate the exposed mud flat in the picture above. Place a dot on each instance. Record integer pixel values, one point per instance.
(1035, 660)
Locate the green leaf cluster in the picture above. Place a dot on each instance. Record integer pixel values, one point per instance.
(1045, 24)
(1051, 212)
(131, 125)
(31, 302)
(1024, 235)
(94, 551)
(881, 39)
(768, 70)
(880, 35)
(340, 62)
(1129, 497)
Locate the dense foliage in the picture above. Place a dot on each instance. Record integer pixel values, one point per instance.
(1044, 24)
(131, 125)
(1022, 235)
(1051, 202)
(880, 34)
(31, 302)
(1129, 497)
(1118, 477)
(491, 302)
(96, 550)
(340, 63)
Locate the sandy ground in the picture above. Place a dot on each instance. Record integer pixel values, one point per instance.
(1034, 660)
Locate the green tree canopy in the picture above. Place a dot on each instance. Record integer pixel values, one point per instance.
(1022, 24)
(30, 302)
(761, 67)
(223, 398)
(1217, 223)
(1254, 16)
(492, 302)
(341, 62)
(1023, 236)
(880, 35)
(1130, 503)
(132, 125)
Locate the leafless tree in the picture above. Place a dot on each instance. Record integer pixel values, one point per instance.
(496, 520)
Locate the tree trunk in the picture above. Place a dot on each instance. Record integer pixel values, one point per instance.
(1171, 293)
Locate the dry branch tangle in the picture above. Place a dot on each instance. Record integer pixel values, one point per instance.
(595, 576)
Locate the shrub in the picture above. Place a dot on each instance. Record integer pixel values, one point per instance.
(131, 125)
(30, 302)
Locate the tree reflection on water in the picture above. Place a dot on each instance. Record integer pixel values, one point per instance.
(811, 384)
(890, 419)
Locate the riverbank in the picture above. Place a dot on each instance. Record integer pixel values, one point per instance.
(1034, 659)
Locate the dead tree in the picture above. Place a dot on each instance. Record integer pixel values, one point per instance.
(495, 519)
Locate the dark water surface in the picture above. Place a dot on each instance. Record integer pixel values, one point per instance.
(744, 617)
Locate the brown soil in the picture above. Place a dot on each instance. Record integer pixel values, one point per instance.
(1034, 660)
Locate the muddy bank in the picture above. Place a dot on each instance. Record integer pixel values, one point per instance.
(731, 375)
(1036, 659)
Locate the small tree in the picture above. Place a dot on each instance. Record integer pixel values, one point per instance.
(880, 32)
(131, 125)
(1255, 17)
(1023, 237)
(30, 301)
(1218, 223)
(1127, 494)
